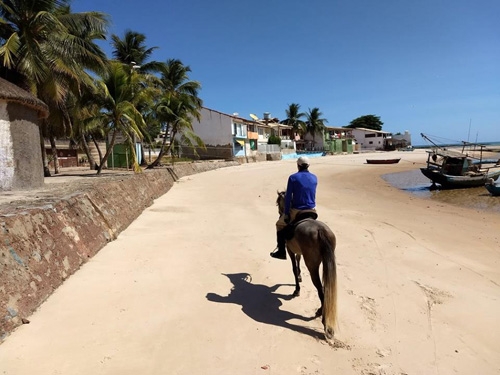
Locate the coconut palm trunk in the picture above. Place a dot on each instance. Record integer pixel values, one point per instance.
(99, 152)
(108, 152)
(162, 152)
(55, 157)
(45, 163)
(86, 149)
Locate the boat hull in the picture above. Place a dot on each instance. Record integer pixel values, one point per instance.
(493, 189)
(458, 182)
(382, 161)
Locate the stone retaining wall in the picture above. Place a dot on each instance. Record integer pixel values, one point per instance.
(46, 241)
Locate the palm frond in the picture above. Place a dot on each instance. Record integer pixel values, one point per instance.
(9, 51)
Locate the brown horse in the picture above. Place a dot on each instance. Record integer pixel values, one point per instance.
(315, 242)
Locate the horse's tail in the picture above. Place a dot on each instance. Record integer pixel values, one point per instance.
(327, 246)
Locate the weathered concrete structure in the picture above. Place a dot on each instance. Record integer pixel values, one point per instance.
(44, 241)
(20, 148)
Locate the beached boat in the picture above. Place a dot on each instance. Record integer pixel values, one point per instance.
(493, 188)
(407, 148)
(382, 161)
(453, 169)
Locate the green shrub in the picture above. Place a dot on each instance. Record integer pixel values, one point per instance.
(274, 140)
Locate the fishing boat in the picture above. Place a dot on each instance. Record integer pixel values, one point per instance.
(492, 188)
(382, 161)
(454, 169)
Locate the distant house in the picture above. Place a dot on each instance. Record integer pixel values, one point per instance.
(227, 137)
(122, 154)
(371, 140)
(339, 140)
(310, 143)
(67, 153)
(20, 147)
(401, 140)
(272, 126)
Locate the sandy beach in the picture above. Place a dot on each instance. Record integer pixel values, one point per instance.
(189, 287)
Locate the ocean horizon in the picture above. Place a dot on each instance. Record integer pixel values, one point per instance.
(494, 143)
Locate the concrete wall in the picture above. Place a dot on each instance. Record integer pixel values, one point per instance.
(6, 150)
(318, 141)
(214, 128)
(45, 242)
(210, 151)
(20, 149)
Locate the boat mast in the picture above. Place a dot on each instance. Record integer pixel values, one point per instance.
(481, 157)
(428, 139)
(468, 134)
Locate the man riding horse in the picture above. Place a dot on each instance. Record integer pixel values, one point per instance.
(300, 196)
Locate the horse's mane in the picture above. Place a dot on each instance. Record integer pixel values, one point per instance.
(281, 195)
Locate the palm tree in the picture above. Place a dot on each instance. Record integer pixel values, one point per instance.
(293, 118)
(314, 122)
(177, 111)
(83, 129)
(179, 103)
(46, 49)
(132, 50)
(118, 113)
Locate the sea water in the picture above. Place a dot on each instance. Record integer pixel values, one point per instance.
(294, 155)
(415, 183)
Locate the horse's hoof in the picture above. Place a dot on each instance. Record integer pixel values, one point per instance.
(329, 333)
(296, 294)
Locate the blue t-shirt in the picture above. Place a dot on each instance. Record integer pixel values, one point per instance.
(301, 191)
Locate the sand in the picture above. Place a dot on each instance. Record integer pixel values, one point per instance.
(189, 287)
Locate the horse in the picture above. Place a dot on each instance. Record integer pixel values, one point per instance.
(315, 242)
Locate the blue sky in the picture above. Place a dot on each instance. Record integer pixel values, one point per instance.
(426, 66)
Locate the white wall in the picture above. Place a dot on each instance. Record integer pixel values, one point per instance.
(214, 128)
(20, 152)
(318, 140)
(7, 153)
(377, 142)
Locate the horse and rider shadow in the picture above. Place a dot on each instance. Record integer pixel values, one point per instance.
(262, 303)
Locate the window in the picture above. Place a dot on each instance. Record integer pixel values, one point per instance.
(240, 130)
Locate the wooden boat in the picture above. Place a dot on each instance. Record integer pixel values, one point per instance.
(382, 161)
(453, 169)
(407, 148)
(493, 188)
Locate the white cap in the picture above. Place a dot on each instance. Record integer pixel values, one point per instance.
(303, 161)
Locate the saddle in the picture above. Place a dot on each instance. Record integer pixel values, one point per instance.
(304, 215)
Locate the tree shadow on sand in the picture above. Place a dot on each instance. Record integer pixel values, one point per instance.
(262, 303)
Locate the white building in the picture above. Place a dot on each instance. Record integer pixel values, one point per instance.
(227, 137)
(404, 139)
(371, 140)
